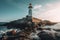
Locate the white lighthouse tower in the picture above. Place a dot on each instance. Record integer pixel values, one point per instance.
(30, 12)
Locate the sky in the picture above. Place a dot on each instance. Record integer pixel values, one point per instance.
(16, 9)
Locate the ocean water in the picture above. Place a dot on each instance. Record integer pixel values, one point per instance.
(4, 29)
(56, 26)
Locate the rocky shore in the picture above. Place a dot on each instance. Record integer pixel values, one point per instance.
(29, 31)
(29, 34)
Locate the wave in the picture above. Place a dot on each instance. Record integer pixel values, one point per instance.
(4, 31)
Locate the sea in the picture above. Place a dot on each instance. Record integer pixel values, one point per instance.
(4, 29)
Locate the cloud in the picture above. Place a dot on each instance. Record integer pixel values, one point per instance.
(37, 6)
(52, 5)
(49, 11)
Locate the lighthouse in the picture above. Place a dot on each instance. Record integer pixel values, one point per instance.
(30, 9)
(30, 12)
